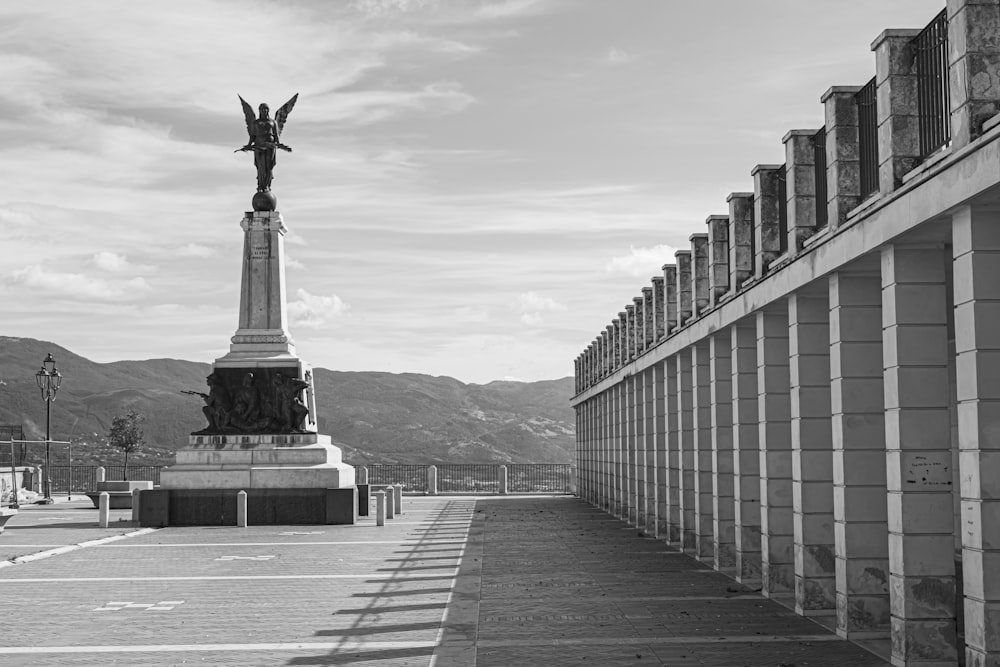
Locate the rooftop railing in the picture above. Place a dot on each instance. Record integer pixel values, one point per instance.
(933, 97)
(819, 173)
(868, 138)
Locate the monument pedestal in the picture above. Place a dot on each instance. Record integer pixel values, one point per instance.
(261, 410)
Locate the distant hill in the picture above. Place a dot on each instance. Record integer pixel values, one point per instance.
(374, 417)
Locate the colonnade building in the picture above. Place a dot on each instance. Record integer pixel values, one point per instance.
(808, 398)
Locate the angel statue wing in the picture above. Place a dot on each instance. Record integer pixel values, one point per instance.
(283, 112)
(249, 114)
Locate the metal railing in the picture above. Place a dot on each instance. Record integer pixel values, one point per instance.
(782, 209)
(933, 96)
(539, 477)
(819, 175)
(412, 477)
(468, 478)
(868, 138)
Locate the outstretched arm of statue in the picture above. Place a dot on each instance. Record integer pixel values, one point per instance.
(248, 147)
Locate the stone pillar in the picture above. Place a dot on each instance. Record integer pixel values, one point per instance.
(609, 332)
(800, 186)
(685, 424)
(362, 474)
(775, 437)
(263, 327)
(701, 428)
(630, 458)
(718, 257)
(631, 351)
(502, 483)
(918, 455)
(639, 330)
(659, 328)
(699, 274)
(859, 481)
(616, 345)
(639, 444)
(605, 358)
(660, 447)
(241, 509)
(974, 66)
(670, 321)
(843, 166)
(812, 452)
(673, 480)
(741, 251)
(898, 119)
(99, 474)
(976, 245)
(684, 286)
(767, 237)
(721, 399)
(746, 452)
(621, 451)
(648, 315)
(649, 447)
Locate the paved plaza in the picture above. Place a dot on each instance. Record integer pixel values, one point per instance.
(452, 582)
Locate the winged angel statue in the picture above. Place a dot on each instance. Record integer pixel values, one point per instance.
(265, 139)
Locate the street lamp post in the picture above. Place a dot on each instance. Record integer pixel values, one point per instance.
(49, 379)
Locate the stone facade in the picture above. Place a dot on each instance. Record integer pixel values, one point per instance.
(819, 416)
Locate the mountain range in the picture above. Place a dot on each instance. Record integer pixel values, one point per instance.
(374, 417)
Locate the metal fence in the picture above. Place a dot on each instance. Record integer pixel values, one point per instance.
(819, 173)
(477, 477)
(868, 138)
(84, 478)
(933, 97)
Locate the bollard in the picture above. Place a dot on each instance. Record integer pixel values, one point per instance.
(99, 474)
(362, 474)
(37, 479)
(432, 480)
(135, 504)
(379, 508)
(241, 509)
(390, 502)
(103, 509)
(503, 480)
(398, 498)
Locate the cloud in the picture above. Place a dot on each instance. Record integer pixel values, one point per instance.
(194, 250)
(292, 263)
(313, 312)
(533, 302)
(616, 56)
(77, 285)
(113, 262)
(642, 261)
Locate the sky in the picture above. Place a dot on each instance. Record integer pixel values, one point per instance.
(477, 186)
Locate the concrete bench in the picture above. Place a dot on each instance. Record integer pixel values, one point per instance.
(119, 493)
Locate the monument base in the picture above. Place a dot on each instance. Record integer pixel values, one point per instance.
(297, 478)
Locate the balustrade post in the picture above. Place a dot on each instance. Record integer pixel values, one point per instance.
(379, 508)
(503, 480)
(362, 474)
(432, 480)
(99, 474)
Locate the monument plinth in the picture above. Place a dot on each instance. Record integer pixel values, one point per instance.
(262, 434)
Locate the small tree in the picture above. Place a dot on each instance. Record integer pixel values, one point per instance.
(126, 434)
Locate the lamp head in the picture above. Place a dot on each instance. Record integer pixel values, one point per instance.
(49, 365)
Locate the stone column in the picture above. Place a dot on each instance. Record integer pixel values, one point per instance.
(699, 274)
(673, 480)
(609, 332)
(898, 119)
(639, 446)
(649, 447)
(631, 458)
(843, 166)
(812, 452)
(976, 245)
(919, 455)
(859, 481)
(620, 453)
(721, 398)
(718, 257)
(684, 286)
(800, 186)
(768, 241)
(660, 447)
(746, 452)
(741, 251)
(639, 313)
(685, 423)
(670, 321)
(576, 376)
(659, 327)
(701, 410)
(630, 337)
(775, 437)
(648, 318)
(974, 67)
(617, 343)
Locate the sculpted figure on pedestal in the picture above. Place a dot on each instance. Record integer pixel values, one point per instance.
(265, 139)
(264, 401)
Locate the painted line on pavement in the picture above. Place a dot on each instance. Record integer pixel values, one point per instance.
(456, 640)
(254, 577)
(350, 645)
(72, 547)
(625, 641)
(236, 544)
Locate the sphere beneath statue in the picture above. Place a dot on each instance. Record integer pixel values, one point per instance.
(264, 201)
